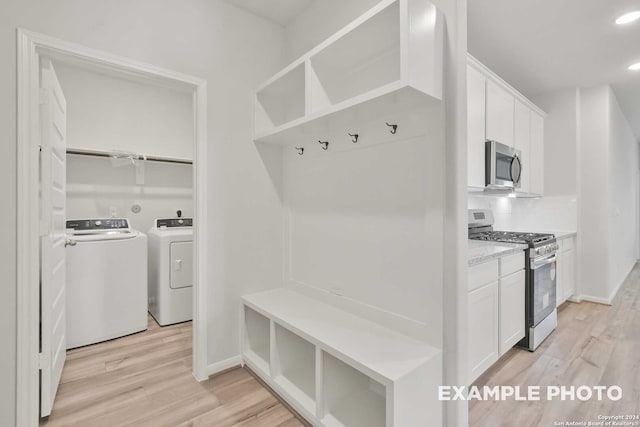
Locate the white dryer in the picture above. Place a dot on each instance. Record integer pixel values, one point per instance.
(106, 281)
(171, 270)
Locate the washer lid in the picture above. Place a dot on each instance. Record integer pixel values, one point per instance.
(102, 235)
(91, 230)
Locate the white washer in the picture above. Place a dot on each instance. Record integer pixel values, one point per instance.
(171, 270)
(106, 281)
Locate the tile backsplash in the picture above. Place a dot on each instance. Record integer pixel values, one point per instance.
(525, 214)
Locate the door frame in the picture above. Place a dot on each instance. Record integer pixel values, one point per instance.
(30, 46)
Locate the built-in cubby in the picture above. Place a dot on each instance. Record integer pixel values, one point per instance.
(294, 366)
(281, 99)
(388, 60)
(351, 398)
(337, 369)
(257, 339)
(364, 59)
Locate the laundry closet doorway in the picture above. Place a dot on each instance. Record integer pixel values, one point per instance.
(40, 357)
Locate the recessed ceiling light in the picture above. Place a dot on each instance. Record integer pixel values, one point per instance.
(635, 67)
(627, 18)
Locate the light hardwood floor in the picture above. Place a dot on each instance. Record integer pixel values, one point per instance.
(593, 345)
(145, 380)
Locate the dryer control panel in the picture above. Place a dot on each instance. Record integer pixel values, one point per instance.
(97, 224)
(174, 222)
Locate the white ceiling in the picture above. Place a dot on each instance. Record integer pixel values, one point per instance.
(545, 45)
(279, 11)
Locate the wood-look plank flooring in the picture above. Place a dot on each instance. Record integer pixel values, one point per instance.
(145, 380)
(593, 345)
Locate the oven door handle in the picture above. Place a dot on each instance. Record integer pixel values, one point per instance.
(535, 264)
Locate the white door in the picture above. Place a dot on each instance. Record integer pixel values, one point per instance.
(512, 318)
(522, 127)
(483, 329)
(53, 112)
(476, 88)
(500, 114)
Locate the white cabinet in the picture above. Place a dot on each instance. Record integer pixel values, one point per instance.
(512, 320)
(496, 317)
(476, 102)
(500, 114)
(522, 129)
(565, 271)
(536, 154)
(496, 111)
(483, 329)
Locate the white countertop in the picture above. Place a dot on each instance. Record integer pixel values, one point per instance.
(481, 251)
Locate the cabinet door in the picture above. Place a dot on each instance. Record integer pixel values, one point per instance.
(512, 318)
(483, 329)
(536, 154)
(500, 114)
(522, 127)
(569, 271)
(560, 278)
(476, 87)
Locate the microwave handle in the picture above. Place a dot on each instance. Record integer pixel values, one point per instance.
(516, 169)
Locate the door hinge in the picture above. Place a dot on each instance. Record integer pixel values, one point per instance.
(41, 361)
(43, 96)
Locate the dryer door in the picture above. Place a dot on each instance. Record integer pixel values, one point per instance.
(181, 265)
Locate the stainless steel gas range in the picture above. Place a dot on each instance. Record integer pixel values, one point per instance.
(540, 265)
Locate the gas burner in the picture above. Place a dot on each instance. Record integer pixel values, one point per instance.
(512, 237)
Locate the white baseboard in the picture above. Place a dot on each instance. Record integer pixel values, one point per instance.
(597, 300)
(609, 300)
(223, 365)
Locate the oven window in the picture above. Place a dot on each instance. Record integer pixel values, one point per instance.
(544, 291)
(503, 167)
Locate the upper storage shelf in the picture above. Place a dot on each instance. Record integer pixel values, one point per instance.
(387, 61)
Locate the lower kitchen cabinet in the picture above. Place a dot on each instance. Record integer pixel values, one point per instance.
(512, 297)
(483, 329)
(496, 311)
(565, 270)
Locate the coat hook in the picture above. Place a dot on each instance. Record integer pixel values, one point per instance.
(325, 144)
(355, 137)
(300, 150)
(394, 128)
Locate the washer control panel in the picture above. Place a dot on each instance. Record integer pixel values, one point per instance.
(97, 224)
(174, 222)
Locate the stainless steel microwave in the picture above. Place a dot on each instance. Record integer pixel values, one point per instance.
(503, 166)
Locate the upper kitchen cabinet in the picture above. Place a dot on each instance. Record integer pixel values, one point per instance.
(476, 100)
(385, 64)
(536, 153)
(500, 114)
(522, 139)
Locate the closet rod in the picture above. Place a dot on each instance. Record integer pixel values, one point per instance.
(119, 155)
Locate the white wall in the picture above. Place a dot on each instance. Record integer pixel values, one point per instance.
(100, 188)
(233, 51)
(112, 113)
(560, 141)
(623, 191)
(594, 193)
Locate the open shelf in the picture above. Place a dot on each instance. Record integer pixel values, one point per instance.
(257, 339)
(281, 100)
(350, 397)
(388, 60)
(294, 367)
(366, 58)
